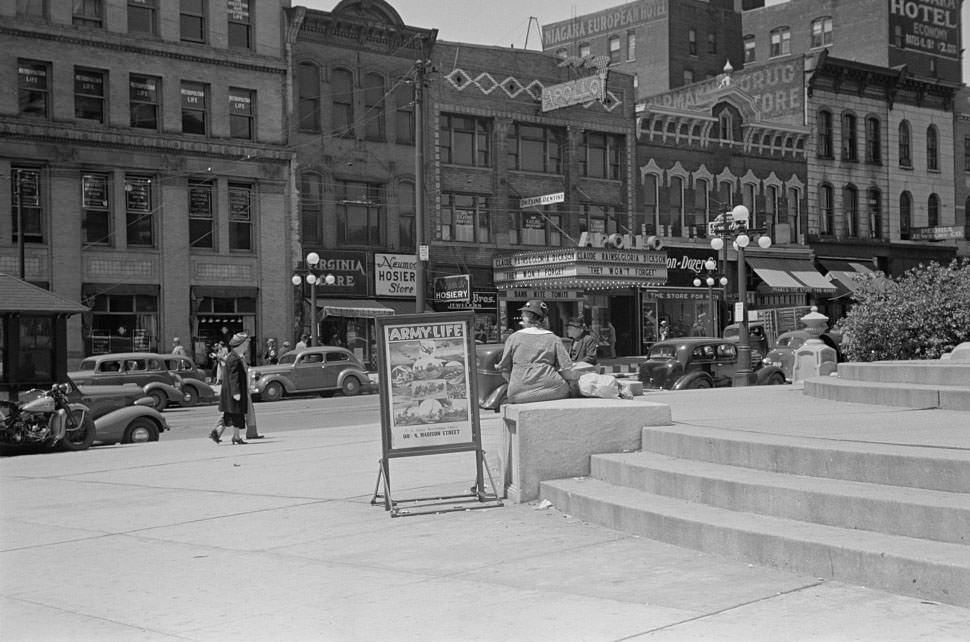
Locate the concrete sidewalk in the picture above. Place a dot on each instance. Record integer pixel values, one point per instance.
(184, 540)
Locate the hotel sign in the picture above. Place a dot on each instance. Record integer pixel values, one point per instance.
(622, 17)
(928, 26)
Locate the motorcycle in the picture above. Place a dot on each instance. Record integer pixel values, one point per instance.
(47, 418)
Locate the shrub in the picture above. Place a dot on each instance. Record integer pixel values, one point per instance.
(920, 315)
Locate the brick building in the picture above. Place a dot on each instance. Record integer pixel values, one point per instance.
(663, 43)
(144, 159)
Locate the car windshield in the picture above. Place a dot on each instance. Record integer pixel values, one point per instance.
(289, 357)
(790, 341)
(663, 351)
(87, 364)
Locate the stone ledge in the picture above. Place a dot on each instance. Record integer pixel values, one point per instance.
(555, 439)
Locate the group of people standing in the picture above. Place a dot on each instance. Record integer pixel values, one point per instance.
(534, 357)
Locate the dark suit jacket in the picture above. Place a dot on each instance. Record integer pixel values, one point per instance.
(234, 381)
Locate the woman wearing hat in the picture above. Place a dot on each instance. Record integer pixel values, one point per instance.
(234, 396)
(533, 358)
(584, 346)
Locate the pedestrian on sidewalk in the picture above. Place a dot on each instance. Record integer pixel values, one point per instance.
(234, 396)
(178, 348)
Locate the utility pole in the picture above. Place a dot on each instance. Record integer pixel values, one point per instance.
(421, 67)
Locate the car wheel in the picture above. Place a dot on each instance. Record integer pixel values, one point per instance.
(139, 431)
(81, 437)
(191, 396)
(159, 399)
(699, 384)
(350, 387)
(272, 392)
(776, 379)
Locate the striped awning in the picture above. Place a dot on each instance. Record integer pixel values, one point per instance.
(789, 275)
(358, 308)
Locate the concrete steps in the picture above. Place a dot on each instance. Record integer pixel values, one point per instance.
(909, 384)
(830, 509)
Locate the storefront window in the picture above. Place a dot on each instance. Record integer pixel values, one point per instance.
(36, 349)
(122, 323)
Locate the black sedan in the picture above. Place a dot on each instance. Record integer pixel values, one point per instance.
(699, 362)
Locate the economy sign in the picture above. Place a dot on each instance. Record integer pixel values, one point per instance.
(574, 92)
(929, 26)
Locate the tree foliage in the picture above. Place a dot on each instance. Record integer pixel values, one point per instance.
(920, 315)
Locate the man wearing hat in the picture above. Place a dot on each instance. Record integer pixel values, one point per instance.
(234, 396)
(583, 348)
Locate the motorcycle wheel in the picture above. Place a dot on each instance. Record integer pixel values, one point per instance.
(82, 437)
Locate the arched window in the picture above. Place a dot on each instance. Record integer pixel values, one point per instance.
(308, 92)
(373, 107)
(675, 217)
(933, 211)
(726, 125)
(824, 134)
(873, 142)
(779, 42)
(932, 149)
(850, 210)
(650, 203)
(342, 85)
(850, 146)
(404, 113)
(874, 201)
(905, 155)
(822, 32)
(826, 209)
(311, 208)
(905, 215)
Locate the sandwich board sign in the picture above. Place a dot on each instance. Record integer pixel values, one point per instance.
(429, 401)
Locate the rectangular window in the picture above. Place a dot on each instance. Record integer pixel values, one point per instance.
(600, 155)
(464, 141)
(688, 76)
(966, 153)
(241, 117)
(406, 207)
(96, 208)
(780, 43)
(360, 212)
(584, 49)
(240, 24)
(88, 13)
(192, 16)
(32, 9)
(711, 42)
(342, 105)
(143, 95)
(374, 107)
(531, 227)
(614, 47)
(201, 231)
(33, 90)
(824, 134)
(850, 147)
(873, 141)
(241, 216)
(464, 218)
(598, 218)
(692, 41)
(311, 208)
(308, 86)
(26, 206)
(139, 211)
(821, 32)
(534, 148)
(89, 94)
(142, 17)
(404, 116)
(631, 46)
(195, 101)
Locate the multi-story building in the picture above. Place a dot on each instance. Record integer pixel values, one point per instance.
(145, 168)
(663, 43)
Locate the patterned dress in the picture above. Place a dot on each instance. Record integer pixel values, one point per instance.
(534, 357)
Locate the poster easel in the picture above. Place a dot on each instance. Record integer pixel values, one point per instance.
(429, 406)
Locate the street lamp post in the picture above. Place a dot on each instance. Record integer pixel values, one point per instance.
(739, 231)
(313, 276)
(711, 266)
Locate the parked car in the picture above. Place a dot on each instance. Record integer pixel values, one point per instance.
(144, 369)
(309, 370)
(699, 362)
(782, 354)
(194, 385)
(758, 338)
(121, 413)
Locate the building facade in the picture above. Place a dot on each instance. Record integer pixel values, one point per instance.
(663, 44)
(146, 168)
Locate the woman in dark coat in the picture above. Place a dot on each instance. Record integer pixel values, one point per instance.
(234, 396)
(583, 348)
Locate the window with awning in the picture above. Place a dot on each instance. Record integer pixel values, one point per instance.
(789, 275)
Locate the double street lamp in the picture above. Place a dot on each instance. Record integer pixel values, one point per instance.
(710, 265)
(313, 277)
(739, 230)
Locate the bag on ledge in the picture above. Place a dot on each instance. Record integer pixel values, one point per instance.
(599, 385)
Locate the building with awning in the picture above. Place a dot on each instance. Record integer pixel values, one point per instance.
(846, 276)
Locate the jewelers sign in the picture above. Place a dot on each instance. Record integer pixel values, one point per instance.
(395, 275)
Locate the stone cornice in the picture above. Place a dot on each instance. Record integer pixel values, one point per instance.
(165, 49)
(52, 133)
